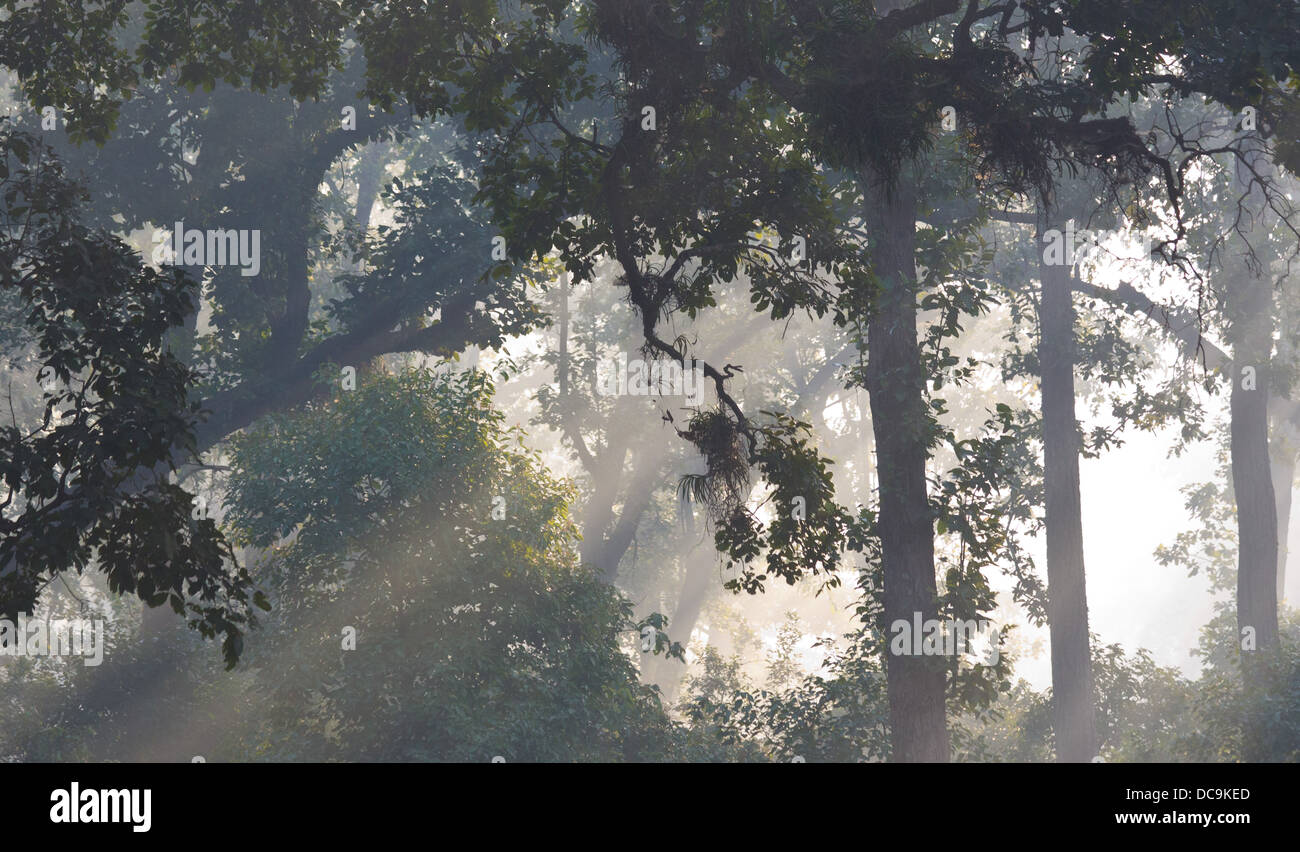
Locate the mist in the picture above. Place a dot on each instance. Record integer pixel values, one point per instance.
(625, 382)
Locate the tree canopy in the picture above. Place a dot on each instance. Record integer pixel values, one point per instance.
(387, 438)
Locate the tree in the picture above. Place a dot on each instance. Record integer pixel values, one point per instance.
(723, 118)
(268, 337)
(404, 513)
(91, 479)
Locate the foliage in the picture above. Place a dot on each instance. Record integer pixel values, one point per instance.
(89, 487)
(476, 636)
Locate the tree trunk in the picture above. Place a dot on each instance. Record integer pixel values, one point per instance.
(1252, 484)
(370, 174)
(1250, 331)
(640, 491)
(1282, 466)
(1067, 607)
(1283, 479)
(598, 513)
(668, 674)
(1283, 442)
(896, 384)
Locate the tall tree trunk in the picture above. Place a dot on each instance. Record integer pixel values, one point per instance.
(1283, 439)
(1067, 606)
(640, 491)
(1282, 464)
(1250, 331)
(700, 562)
(598, 512)
(1283, 480)
(370, 175)
(896, 384)
(1252, 484)
(562, 367)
